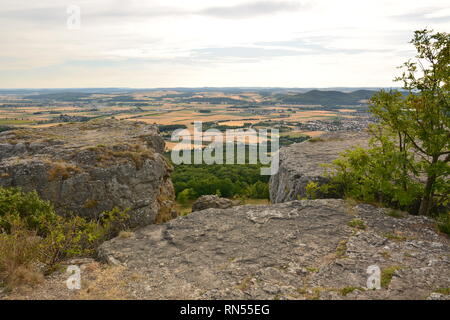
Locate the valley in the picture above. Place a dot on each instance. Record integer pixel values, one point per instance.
(295, 112)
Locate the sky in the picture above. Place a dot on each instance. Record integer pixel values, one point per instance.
(199, 43)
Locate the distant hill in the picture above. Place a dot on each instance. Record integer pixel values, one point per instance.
(327, 98)
(60, 96)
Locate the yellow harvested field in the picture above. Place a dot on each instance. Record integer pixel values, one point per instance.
(46, 125)
(244, 137)
(313, 133)
(240, 123)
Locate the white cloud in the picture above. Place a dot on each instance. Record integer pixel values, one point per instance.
(167, 43)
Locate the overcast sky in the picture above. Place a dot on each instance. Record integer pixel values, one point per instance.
(193, 43)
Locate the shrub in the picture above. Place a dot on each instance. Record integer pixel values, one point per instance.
(75, 236)
(311, 190)
(186, 195)
(27, 206)
(443, 221)
(258, 190)
(31, 233)
(372, 175)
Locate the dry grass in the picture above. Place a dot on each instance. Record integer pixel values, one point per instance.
(341, 249)
(314, 140)
(90, 203)
(313, 133)
(62, 171)
(101, 282)
(165, 201)
(19, 253)
(134, 152)
(184, 208)
(125, 234)
(245, 284)
(98, 282)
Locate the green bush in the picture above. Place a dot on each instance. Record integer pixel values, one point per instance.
(311, 190)
(444, 223)
(26, 205)
(258, 190)
(40, 236)
(373, 175)
(186, 195)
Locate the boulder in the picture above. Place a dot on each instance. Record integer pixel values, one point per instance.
(87, 168)
(212, 201)
(301, 163)
(308, 249)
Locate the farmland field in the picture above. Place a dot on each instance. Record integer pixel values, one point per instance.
(220, 108)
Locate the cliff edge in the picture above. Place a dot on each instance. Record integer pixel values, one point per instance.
(301, 163)
(87, 168)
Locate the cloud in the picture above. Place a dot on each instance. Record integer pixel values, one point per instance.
(246, 10)
(287, 48)
(242, 52)
(220, 42)
(425, 15)
(132, 11)
(56, 14)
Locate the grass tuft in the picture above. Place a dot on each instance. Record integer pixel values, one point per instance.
(350, 289)
(357, 224)
(387, 274)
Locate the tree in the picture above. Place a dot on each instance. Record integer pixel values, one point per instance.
(422, 119)
(407, 165)
(186, 195)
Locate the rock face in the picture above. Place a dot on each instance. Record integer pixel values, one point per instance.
(308, 249)
(90, 167)
(212, 201)
(301, 163)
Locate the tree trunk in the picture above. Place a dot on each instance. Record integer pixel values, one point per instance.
(427, 199)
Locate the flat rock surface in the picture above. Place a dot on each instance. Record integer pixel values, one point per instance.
(308, 249)
(301, 163)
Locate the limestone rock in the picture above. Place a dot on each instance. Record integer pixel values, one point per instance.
(91, 167)
(212, 201)
(301, 163)
(295, 250)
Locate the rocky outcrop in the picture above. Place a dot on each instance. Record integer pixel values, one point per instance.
(212, 201)
(90, 167)
(301, 163)
(308, 249)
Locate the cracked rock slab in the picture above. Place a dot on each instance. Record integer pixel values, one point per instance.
(295, 250)
(302, 162)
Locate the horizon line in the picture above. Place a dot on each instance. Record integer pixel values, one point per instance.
(202, 87)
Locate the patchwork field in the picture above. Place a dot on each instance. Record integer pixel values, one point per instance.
(175, 108)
